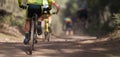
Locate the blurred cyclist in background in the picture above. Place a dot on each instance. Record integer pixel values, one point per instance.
(83, 15)
(68, 26)
(36, 6)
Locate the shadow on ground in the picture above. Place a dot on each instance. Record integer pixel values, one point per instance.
(62, 49)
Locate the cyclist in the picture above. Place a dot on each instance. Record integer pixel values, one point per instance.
(35, 6)
(83, 15)
(68, 26)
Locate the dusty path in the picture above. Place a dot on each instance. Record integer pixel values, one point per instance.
(77, 46)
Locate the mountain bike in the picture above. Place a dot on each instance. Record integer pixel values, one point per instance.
(33, 30)
(47, 30)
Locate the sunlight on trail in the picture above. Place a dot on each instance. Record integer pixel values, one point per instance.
(88, 41)
(83, 37)
(99, 49)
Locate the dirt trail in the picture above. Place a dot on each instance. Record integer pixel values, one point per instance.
(76, 46)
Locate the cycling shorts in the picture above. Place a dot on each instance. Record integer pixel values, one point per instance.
(34, 9)
(69, 26)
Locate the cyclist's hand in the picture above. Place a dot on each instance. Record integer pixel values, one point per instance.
(23, 6)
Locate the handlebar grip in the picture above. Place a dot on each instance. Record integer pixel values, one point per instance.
(23, 6)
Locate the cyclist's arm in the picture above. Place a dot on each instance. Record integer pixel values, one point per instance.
(57, 6)
(20, 2)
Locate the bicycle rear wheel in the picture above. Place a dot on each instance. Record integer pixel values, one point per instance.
(31, 37)
(47, 36)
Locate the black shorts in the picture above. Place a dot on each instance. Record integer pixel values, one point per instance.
(34, 9)
(69, 26)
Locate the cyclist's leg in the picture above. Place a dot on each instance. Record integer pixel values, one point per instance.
(67, 29)
(71, 33)
(39, 27)
(71, 30)
(67, 32)
(27, 26)
(30, 11)
(50, 21)
(39, 13)
(86, 24)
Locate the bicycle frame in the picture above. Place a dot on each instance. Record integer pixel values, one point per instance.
(46, 24)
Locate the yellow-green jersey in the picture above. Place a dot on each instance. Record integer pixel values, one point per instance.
(38, 2)
(50, 3)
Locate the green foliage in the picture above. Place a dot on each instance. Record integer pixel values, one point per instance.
(116, 21)
(10, 10)
(72, 7)
(5, 19)
(18, 22)
(106, 13)
(12, 20)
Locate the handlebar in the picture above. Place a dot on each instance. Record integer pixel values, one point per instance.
(23, 6)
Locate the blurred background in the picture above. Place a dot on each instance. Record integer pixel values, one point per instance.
(103, 15)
